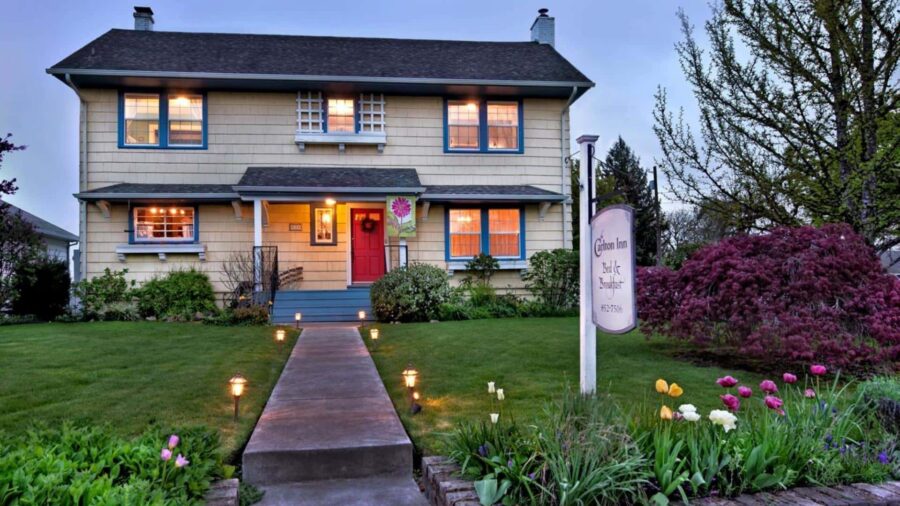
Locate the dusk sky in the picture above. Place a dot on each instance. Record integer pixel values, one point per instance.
(626, 47)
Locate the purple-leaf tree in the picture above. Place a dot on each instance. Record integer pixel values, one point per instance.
(793, 295)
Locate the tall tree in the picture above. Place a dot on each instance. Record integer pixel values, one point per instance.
(18, 241)
(630, 180)
(798, 113)
(602, 185)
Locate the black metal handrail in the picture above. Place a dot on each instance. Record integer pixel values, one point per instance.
(265, 274)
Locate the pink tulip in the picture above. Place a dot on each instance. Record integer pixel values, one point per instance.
(744, 392)
(165, 454)
(789, 378)
(774, 403)
(809, 393)
(173, 441)
(727, 382)
(768, 386)
(180, 461)
(818, 370)
(731, 402)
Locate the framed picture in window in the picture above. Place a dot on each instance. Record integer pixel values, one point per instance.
(324, 226)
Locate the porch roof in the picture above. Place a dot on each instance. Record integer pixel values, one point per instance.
(287, 181)
(490, 193)
(138, 191)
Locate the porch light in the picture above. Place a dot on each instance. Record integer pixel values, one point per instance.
(297, 318)
(330, 202)
(237, 383)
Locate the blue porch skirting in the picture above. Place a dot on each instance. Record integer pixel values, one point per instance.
(322, 305)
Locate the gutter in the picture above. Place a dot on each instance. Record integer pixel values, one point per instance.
(82, 176)
(563, 165)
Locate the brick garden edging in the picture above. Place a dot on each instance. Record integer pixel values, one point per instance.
(444, 487)
(223, 493)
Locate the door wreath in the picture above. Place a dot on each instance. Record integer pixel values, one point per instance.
(368, 224)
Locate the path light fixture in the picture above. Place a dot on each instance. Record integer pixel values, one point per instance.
(237, 383)
(373, 333)
(362, 318)
(279, 337)
(410, 374)
(297, 317)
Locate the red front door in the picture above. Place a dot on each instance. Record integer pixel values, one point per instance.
(367, 244)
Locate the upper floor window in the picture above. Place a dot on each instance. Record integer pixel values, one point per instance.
(319, 114)
(484, 126)
(340, 115)
(164, 224)
(162, 120)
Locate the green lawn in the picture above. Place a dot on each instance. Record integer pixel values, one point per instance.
(532, 360)
(129, 375)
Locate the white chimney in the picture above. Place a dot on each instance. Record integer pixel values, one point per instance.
(543, 29)
(143, 18)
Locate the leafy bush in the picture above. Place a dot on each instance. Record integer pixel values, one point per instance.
(179, 293)
(553, 277)
(74, 465)
(16, 319)
(249, 315)
(99, 292)
(880, 396)
(42, 288)
(410, 294)
(483, 267)
(789, 296)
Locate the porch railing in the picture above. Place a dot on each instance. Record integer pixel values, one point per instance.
(265, 274)
(395, 256)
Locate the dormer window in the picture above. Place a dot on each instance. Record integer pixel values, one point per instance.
(340, 120)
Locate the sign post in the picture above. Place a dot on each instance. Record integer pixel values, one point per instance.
(588, 332)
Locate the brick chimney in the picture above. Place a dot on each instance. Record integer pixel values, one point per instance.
(143, 19)
(543, 29)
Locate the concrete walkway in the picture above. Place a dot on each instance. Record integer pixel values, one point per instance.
(329, 433)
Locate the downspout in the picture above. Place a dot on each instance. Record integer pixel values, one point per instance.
(82, 174)
(563, 165)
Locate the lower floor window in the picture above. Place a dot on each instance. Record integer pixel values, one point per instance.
(160, 224)
(496, 232)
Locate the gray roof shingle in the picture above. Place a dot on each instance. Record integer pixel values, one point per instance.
(328, 178)
(233, 53)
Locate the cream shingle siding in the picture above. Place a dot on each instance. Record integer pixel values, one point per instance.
(258, 129)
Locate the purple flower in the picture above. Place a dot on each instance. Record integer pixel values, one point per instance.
(727, 382)
(817, 370)
(745, 392)
(165, 454)
(531, 476)
(173, 441)
(883, 458)
(809, 393)
(789, 378)
(483, 450)
(401, 208)
(768, 386)
(731, 402)
(180, 461)
(774, 403)
(509, 463)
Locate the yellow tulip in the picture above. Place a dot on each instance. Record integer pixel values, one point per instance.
(675, 390)
(665, 413)
(661, 386)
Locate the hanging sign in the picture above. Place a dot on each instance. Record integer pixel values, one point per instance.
(401, 216)
(613, 269)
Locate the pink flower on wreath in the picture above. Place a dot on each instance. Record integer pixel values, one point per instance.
(745, 392)
(789, 378)
(768, 386)
(774, 403)
(401, 208)
(727, 382)
(731, 402)
(817, 370)
(809, 393)
(165, 454)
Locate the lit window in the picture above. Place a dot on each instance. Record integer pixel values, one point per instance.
(462, 124)
(155, 224)
(340, 115)
(503, 125)
(185, 120)
(465, 232)
(503, 225)
(142, 119)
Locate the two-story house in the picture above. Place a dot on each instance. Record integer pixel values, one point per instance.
(341, 157)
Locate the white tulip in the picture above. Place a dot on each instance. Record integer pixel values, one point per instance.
(500, 395)
(495, 417)
(687, 408)
(691, 416)
(720, 417)
(491, 387)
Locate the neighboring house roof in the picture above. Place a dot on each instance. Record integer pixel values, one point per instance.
(44, 227)
(329, 179)
(270, 58)
(125, 191)
(891, 261)
(490, 193)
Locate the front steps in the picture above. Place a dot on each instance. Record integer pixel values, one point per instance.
(322, 305)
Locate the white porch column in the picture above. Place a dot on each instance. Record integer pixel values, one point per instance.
(588, 341)
(402, 252)
(257, 242)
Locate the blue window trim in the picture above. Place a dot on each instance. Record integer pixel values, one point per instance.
(325, 98)
(483, 127)
(485, 230)
(131, 227)
(163, 120)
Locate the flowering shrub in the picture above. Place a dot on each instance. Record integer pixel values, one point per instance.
(410, 294)
(793, 295)
(88, 465)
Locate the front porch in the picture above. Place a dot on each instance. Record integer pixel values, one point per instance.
(321, 305)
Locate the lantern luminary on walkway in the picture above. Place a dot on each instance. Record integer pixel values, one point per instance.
(279, 337)
(373, 333)
(410, 374)
(362, 318)
(237, 383)
(297, 317)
